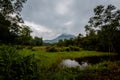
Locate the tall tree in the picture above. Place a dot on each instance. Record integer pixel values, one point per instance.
(9, 19)
(38, 41)
(106, 22)
(24, 37)
(78, 40)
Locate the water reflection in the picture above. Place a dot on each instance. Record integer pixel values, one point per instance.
(72, 63)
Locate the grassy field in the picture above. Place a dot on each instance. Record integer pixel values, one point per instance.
(49, 65)
(51, 58)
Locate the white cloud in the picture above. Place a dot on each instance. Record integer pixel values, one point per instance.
(69, 26)
(61, 16)
(37, 27)
(63, 7)
(41, 31)
(69, 23)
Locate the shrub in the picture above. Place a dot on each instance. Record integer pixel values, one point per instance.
(15, 67)
(74, 48)
(29, 47)
(19, 47)
(61, 49)
(71, 48)
(52, 49)
(37, 48)
(67, 49)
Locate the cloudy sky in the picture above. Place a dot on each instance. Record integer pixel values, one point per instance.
(50, 18)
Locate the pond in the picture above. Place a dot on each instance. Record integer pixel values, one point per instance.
(73, 63)
(82, 63)
(97, 59)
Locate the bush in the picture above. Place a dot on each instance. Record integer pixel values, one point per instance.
(67, 49)
(19, 47)
(29, 47)
(36, 49)
(61, 49)
(15, 67)
(52, 49)
(71, 48)
(74, 48)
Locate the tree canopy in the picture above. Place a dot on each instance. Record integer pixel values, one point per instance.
(106, 25)
(9, 20)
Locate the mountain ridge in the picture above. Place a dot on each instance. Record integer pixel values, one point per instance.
(60, 37)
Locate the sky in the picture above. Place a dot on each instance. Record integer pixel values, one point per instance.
(50, 18)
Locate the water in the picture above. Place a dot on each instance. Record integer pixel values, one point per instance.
(72, 63)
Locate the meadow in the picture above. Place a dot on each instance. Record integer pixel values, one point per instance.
(50, 58)
(49, 68)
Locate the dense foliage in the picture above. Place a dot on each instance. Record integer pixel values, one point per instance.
(12, 27)
(37, 41)
(10, 18)
(15, 67)
(62, 49)
(104, 28)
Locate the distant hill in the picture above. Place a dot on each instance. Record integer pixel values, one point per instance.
(60, 37)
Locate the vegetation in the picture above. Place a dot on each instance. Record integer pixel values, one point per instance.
(10, 18)
(49, 65)
(102, 31)
(39, 64)
(62, 49)
(104, 28)
(15, 66)
(49, 58)
(37, 41)
(23, 57)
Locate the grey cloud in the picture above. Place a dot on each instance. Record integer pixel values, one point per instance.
(43, 12)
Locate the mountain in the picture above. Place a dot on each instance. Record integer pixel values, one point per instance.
(60, 37)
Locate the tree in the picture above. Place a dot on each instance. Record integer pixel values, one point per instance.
(78, 40)
(4, 28)
(10, 17)
(37, 41)
(24, 37)
(11, 6)
(60, 43)
(106, 22)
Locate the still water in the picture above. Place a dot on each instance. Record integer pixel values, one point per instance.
(72, 63)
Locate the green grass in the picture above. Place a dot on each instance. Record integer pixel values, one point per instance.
(50, 70)
(48, 64)
(48, 59)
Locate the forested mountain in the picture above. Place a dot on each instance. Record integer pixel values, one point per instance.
(60, 37)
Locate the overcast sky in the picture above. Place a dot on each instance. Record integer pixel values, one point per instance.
(50, 18)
